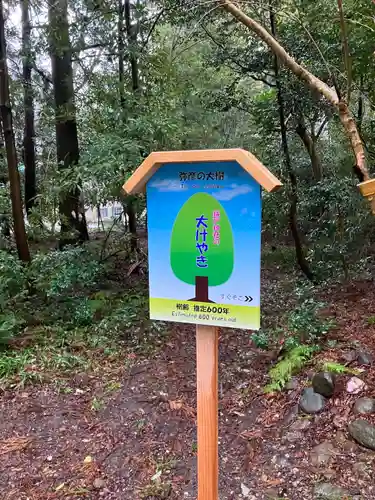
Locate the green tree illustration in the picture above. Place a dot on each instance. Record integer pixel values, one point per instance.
(202, 251)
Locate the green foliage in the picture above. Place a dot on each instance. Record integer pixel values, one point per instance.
(9, 324)
(333, 367)
(13, 278)
(57, 273)
(260, 339)
(293, 361)
(305, 322)
(220, 258)
(371, 320)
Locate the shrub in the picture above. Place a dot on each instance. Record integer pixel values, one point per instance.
(58, 273)
(12, 278)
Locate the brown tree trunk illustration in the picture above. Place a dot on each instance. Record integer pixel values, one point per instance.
(201, 290)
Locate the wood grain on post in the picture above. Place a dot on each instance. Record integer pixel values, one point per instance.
(207, 403)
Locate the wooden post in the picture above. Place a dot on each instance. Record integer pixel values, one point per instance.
(207, 403)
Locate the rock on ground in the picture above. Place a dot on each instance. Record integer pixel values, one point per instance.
(355, 385)
(363, 432)
(329, 491)
(311, 402)
(364, 406)
(364, 358)
(324, 383)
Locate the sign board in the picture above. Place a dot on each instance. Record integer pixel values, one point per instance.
(204, 239)
(204, 229)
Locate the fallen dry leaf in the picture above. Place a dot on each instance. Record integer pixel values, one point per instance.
(275, 482)
(175, 405)
(14, 444)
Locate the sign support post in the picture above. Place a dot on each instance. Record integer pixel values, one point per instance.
(207, 411)
(204, 227)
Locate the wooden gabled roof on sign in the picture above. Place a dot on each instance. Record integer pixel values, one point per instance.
(137, 182)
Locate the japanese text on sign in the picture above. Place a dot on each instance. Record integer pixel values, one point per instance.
(201, 176)
(206, 309)
(200, 238)
(216, 227)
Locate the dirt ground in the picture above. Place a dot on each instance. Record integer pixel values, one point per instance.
(128, 432)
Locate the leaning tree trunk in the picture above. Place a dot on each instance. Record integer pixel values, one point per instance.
(312, 81)
(28, 101)
(293, 221)
(7, 123)
(71, 206)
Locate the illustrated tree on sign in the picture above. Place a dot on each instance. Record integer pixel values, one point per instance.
(202, 252)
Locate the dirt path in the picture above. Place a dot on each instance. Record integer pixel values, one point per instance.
(129, 433)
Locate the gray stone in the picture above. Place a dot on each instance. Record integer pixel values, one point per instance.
(364, 358)
(329, 491)
(322, 453)
(292, 384)
(363, 432)
(364, 406)
(311, 402)
(324, 383)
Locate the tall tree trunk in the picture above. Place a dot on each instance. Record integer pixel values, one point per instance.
(131, 36)
(312, 81)
(121, 50)
(310, 145)
(14, 178)
(71, 206)
(131, 33)
(28, 101)
(4, 220)
(293, 222)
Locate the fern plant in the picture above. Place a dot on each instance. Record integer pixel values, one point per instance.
(331, 366)
(293, 361)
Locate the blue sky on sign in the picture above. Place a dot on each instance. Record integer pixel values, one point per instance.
(239, 195)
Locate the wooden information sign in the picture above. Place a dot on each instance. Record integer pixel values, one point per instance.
(204, 239)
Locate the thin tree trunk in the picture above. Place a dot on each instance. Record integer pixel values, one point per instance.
(4, 220)
(311, 80)
(132, 46)
(345, 50)
(293, 222)
(121, 48)
(71, 207)
(14, 178)
(132, 41)
(310, 145)
(29, 130)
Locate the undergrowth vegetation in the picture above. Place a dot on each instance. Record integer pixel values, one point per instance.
(301, 332)
(64, 313)
(293, 361)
